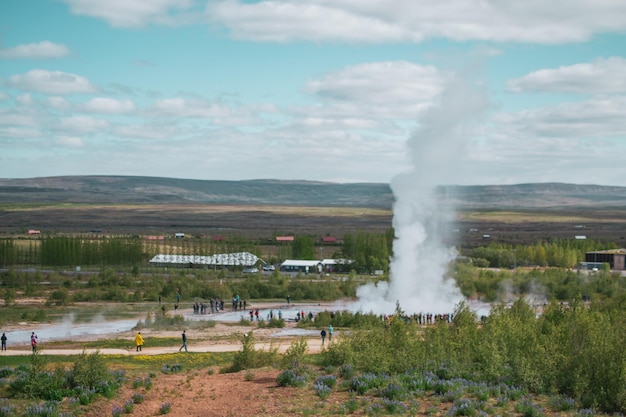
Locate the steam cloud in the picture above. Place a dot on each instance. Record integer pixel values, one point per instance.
(418, 270)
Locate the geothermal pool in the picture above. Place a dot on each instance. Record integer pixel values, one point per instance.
(69, 329)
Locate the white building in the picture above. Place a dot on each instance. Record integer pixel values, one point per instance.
(195, 261)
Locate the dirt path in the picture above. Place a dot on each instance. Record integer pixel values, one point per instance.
(315, 346)
(225, 336)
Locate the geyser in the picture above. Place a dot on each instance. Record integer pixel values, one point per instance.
(419, 278)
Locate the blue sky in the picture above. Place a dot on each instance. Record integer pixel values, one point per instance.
(312, 89)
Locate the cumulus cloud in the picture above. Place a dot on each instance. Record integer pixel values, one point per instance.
(58, 103)
(82, 124)
(147, 131)
(105, 105)
(381, 82)
(604, 75)
(24, 100)
(40, 50)
(218, 113)
(130, 13)
(603, 117)
(532, 21)
(52, 82)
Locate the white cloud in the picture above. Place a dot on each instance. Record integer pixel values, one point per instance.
(58, 103)
(17, 118)
(595, 118)
(105, 105)
(130, 13)
(218, 113)
(69, 142)
(597, 77)
(52, 82)
(82, 124)
(146, 131)
(40, 50)
(397, 82)
(532, 21)
(24, 100)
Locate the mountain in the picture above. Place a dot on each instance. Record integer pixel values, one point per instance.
(155, 190)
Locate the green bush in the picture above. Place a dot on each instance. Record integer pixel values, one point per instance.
(294, 355)
(89, 371)
(249, 358)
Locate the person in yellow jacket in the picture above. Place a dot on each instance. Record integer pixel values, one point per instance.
(139, 341)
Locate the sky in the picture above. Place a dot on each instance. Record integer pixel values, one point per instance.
(320, 90)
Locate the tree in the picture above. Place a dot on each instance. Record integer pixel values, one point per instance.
(303, 247)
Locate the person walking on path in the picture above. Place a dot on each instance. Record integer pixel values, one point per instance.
(33, 341)
(184, 336)
(323, 334)
(330, 332)
(4, 342)
(138, 342)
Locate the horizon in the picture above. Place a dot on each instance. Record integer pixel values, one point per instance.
(295, 180)
(333, 92)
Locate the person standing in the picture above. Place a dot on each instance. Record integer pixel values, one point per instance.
(138, 342)
(330, 332)
(33, 341)
(4, 342)
(184, 337)
(323, 334)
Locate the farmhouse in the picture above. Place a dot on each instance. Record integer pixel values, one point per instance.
(614, 257)
(199, 261)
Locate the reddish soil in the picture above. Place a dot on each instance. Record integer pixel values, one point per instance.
(196, 393)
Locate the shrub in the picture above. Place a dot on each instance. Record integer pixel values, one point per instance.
(248, 357)
(137, 398)
(322, 391)
(89, 370)
(289, 378)
(48, 409)
(165, 408)
(527, 408)
(293, 356)
(117, 411)
(329, 380)
(272, 323)
(137, 382)
(346, 371)
(463, 407)
(6, 409)
(129, 406)
(6, 371)
(170, 369)
(394, 392)
(350, 406)
(561, 403)
(86, 396)
(249, 376)
(394, 406)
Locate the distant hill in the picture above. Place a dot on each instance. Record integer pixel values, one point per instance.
(154, 190)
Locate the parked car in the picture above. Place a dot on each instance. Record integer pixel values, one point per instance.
(268, 267)
(250, 270)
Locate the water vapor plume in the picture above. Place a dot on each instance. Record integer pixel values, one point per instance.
(422, 249)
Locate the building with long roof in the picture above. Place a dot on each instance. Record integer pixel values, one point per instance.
(200, 261)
